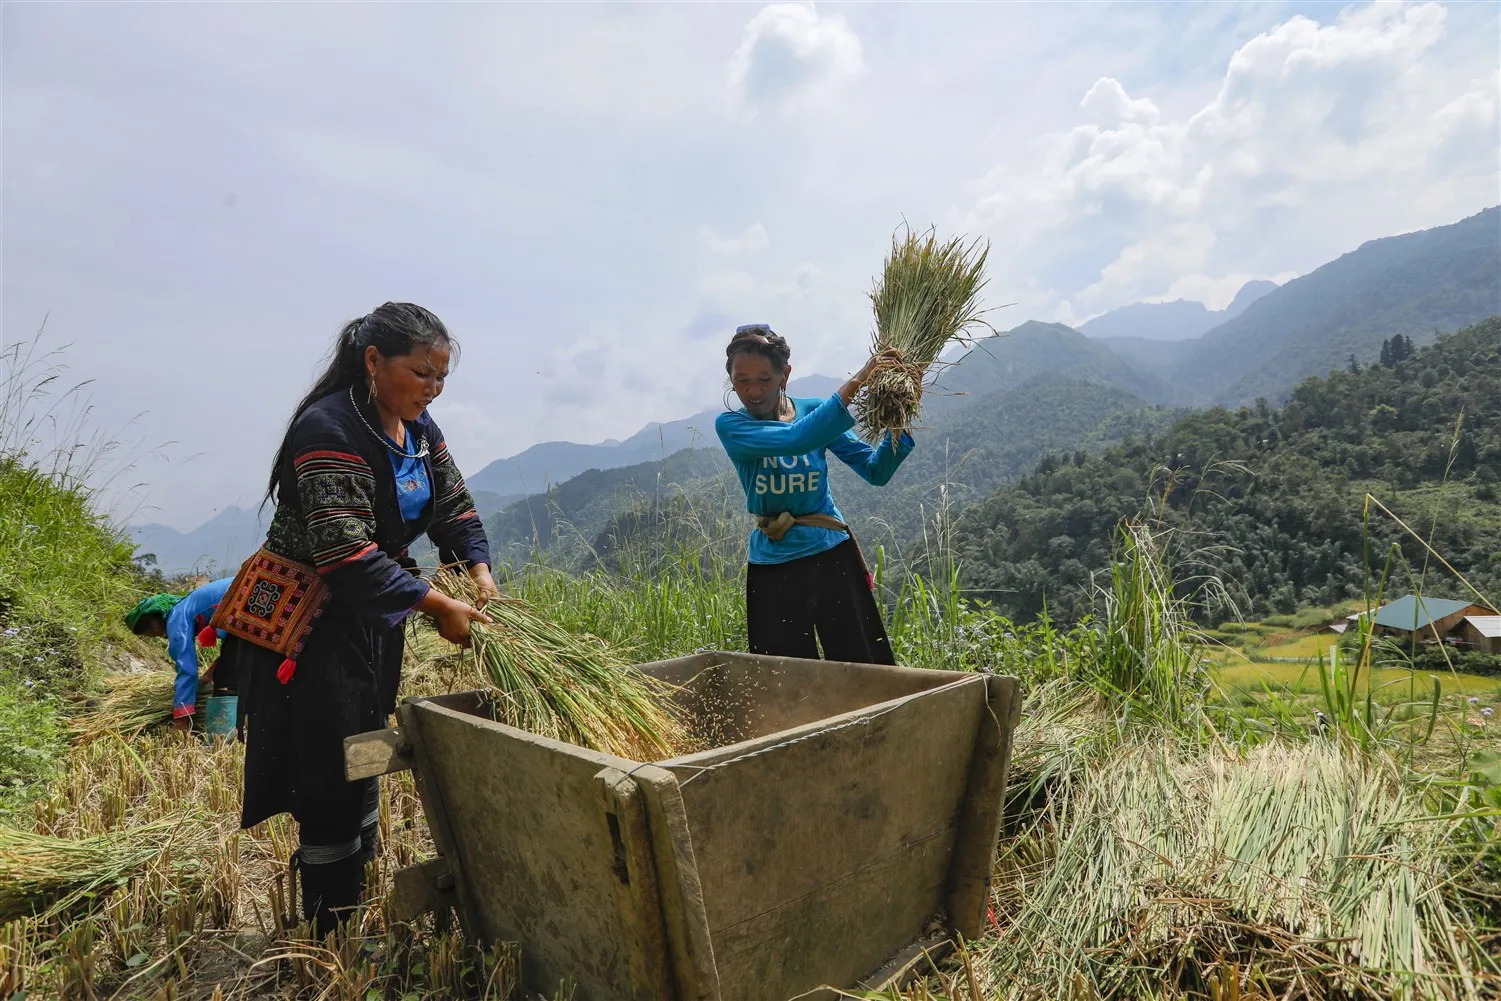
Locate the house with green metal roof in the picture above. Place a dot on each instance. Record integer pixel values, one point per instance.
(1429, 620)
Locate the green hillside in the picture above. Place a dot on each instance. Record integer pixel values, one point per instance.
(1281, 491)
(1036, 389)
(969, 451)
(578, 509)
(1413, 284)
(1033, 349)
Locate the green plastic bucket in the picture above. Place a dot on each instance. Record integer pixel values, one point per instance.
(219, 716)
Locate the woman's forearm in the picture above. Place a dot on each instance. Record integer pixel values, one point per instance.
(434, 602)
(850, 390)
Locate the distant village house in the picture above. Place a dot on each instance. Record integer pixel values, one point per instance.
(1463, 624)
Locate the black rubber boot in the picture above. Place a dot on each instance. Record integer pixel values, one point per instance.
(331, 891)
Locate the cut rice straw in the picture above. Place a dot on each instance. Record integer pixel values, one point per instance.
(45, 876)
(133, 703)
(569, 687)
(1320, 867)
(927, 296)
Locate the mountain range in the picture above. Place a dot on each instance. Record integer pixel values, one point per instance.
(551, 462)
(1040, 388)
(1179, 320)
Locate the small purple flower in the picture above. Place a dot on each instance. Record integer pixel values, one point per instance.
(1486, 712)
(12, 631)
(1473, 700)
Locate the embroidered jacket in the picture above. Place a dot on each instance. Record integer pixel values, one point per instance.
(337, 510)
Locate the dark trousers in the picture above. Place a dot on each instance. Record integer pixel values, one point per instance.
(793, 608)
(224, 676)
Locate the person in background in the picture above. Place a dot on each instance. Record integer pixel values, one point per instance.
(182, 619)
(360, 473)
(806, 584)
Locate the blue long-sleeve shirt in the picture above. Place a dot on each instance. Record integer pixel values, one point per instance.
(783, 467)
(184, 623)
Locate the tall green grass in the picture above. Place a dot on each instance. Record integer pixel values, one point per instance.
(66, 573)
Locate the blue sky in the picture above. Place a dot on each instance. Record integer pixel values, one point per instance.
(592, 195)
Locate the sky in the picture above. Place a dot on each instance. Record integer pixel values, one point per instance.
(195, 197)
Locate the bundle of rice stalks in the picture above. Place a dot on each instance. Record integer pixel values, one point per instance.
(44, 876)
(927, 296)
(133, 703)
(569, 687)
(1320, 869)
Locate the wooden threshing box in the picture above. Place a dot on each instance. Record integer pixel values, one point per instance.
(846, 815)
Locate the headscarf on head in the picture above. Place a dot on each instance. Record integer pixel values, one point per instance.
(158, 603)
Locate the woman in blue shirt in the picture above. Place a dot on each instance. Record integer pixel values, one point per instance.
(807, 585)
(182, 619)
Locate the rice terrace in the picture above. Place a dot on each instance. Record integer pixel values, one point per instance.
(1120, 621)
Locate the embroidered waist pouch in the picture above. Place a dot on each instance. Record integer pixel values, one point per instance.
(273, 602)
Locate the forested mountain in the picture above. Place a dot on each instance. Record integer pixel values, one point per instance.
(1415, 284)
(1000, 436)
(1040, 387)
(1280, 492)
(957, 461)
(576, 510)
(1017, 356)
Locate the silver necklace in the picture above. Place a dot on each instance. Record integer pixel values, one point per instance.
(383, 439)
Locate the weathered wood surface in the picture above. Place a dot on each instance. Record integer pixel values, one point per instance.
(744, 696)
(980, 816)
(695, 969)
(824, 851)
(854, 805)
(536, 849)
(421, 889)
(637, 895)
(379, 752)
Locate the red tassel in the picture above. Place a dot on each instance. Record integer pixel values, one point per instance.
(208, 636)
(286, 670)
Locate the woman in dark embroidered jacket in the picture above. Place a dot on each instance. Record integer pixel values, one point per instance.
(361, 472)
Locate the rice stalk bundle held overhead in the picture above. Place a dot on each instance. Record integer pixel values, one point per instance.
(927, 296)
(45, 876)
(569, 687)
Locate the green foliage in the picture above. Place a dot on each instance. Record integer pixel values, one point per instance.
(967, 452)
(66, 576)
(574, 513)
(1280, 491)
(1433, 659)
(1149, 651)
(32, 741)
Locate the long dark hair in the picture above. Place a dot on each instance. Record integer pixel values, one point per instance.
(396, 329)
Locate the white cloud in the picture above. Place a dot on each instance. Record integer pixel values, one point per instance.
(1320, 136)
(790, 56)
(748, 241)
